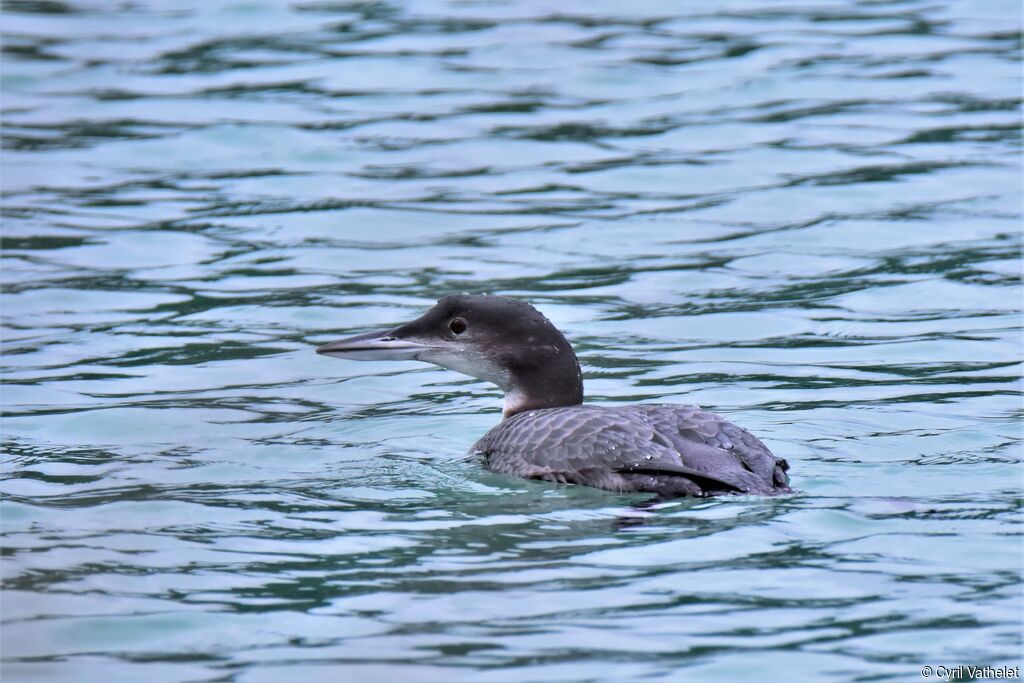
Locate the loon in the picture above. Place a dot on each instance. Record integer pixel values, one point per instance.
(547, 432)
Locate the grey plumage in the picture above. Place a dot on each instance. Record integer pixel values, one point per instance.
(665, 449)
(546, 432)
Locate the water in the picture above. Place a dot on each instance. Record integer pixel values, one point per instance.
(803, 215)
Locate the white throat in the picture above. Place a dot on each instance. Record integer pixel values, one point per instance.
(514, 402)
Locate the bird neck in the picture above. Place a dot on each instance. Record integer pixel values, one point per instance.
(551, 379)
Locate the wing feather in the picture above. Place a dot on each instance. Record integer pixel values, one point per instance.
(680, 449)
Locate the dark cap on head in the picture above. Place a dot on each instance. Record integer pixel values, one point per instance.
(501, 340)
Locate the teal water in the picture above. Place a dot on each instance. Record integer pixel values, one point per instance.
(803, 215)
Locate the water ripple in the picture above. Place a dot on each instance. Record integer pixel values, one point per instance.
(806, 216)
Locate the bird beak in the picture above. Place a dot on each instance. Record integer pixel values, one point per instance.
(374, 346)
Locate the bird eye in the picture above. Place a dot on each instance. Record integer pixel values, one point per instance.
(457, 325)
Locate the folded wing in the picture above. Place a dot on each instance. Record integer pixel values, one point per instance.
(669, 450)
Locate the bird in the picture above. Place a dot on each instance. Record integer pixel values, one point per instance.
(547, 432)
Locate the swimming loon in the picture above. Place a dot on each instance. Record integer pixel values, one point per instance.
(547, 433)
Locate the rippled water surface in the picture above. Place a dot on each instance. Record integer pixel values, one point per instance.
(804, 215)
